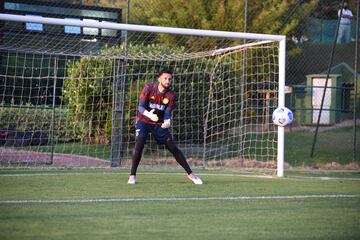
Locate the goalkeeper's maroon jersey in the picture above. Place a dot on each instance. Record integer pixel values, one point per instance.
(152, 98)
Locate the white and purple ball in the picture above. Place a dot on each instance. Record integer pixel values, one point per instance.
(282, 116)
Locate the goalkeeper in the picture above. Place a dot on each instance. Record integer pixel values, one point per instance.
(156, 102)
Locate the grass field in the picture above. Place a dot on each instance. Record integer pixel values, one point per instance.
(98, 204)
(332, 146)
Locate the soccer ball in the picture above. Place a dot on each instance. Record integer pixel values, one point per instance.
(282, 116)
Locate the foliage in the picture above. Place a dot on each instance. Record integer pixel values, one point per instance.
(98, 3)
(328, 8)
(88, 94)
(29, 118)
(89, 86)
(278, 17)
(203, 14)
(271, 16)
(31, 77)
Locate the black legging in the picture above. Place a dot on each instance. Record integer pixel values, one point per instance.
(169, 144)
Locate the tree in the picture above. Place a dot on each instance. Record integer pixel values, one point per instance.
(264, 16)
(201, 14)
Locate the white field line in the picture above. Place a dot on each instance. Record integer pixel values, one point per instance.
(140, 173)
(174, 173)
(114, 200)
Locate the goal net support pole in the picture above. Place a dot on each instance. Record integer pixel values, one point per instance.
(281, 103)
(182, 31)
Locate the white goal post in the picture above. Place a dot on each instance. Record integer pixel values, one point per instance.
(189, 32)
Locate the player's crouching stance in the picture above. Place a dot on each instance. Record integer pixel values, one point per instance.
(156, 103)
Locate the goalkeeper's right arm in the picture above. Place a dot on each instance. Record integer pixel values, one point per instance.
(150, 114)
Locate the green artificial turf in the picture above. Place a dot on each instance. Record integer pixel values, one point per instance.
(165, 205)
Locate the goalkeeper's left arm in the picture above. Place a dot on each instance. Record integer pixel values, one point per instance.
(167, 118)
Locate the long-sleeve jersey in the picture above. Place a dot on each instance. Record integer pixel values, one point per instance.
(151, 98)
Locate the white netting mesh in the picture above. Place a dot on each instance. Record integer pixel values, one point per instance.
(72, 100)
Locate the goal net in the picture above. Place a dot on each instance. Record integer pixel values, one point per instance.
(69, 92)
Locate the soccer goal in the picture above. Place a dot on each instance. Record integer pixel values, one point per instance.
(69, 91)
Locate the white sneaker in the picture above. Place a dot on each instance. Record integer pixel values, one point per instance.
(195, 179)
(132, 179)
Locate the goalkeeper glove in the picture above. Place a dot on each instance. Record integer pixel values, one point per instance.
(151, 115)
(166, 123)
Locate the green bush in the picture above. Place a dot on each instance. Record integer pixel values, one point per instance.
(88, 88)
(28, 118)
